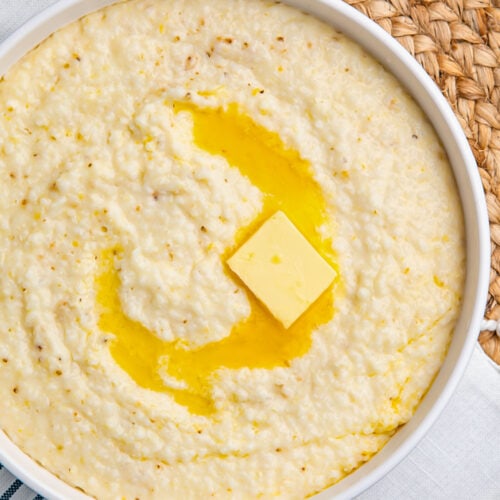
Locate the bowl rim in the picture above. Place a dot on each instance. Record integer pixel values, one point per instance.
(418, 83)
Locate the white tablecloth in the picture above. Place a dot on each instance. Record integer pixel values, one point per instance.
(460, 457)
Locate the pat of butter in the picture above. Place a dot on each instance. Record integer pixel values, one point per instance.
(282, 269)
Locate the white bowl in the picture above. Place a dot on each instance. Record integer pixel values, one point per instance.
(384, 48)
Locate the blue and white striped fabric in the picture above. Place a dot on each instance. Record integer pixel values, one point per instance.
(12, 488)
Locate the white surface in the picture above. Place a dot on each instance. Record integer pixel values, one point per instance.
(13, 13)
(460, 457)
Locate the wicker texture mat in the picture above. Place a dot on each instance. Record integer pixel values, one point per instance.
(458, 44)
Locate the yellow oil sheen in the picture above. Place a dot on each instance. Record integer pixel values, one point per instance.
(260, 341)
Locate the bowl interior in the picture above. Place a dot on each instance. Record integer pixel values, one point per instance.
(396, 60)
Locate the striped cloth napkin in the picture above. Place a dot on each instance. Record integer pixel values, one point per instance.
(12, 488)
(460, 457)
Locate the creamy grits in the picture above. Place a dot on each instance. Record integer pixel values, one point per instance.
(139, 148)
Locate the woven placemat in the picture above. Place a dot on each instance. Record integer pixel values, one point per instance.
(458, 44)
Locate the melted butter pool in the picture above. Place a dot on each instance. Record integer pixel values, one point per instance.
(259, 341)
